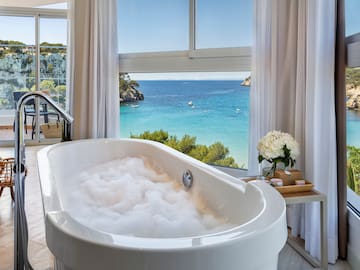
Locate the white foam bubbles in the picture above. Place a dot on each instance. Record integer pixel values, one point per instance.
(131, 197)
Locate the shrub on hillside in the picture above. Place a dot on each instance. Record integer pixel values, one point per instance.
(216, 153)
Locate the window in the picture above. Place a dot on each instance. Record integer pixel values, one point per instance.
(53, 58)
(186, 36)
(214, 33)
(189, 60)
(17, 59)
(141, 26)
(32, 57)
(212, 108)
(353, 101)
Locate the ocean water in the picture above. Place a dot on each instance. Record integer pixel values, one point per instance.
(219, 112)
(353, 128)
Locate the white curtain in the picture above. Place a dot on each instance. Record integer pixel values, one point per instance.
(93, 65)
(293, 91)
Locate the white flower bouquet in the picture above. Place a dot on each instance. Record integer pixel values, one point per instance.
(277, 146)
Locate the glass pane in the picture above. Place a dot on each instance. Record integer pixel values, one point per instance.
(53, 58)
(150, 26)
(17, 66)
(52, 72)
(221, 24)
(352, 18)
(353, 131)
(212, 107)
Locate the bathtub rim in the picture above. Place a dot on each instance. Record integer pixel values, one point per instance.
(243, 231)
(201, 165)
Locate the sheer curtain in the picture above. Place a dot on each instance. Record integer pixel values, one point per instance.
(93, 65)
(293, 91)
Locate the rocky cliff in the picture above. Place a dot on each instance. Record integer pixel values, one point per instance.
(128, 89)
(246, 82)
(131, 95)
(353, 98)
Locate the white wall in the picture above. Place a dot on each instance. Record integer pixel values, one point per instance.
(354, 240)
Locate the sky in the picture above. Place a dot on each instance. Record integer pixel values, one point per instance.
(352, 18)
(23, 29)
(163, 25)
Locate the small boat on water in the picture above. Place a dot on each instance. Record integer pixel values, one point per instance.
(134, 106)
(190, 103)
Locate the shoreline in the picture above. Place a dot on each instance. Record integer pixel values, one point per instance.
(215, 103)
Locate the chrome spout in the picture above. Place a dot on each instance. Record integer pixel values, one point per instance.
(21, 261)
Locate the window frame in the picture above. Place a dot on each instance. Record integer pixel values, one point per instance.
(352, 60)
(192, 60)
(37, 14)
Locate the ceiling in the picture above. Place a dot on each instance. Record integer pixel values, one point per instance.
(28, 3)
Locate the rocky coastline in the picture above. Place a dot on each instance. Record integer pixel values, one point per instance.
(131, 96)
(352, 94)
(353, 98)
(246, 82)
(128, 89)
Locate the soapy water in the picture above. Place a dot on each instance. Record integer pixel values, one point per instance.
(131, 196)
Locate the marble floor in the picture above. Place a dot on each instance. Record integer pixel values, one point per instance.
(40, 256)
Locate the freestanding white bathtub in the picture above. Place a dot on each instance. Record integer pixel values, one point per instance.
(256, 209)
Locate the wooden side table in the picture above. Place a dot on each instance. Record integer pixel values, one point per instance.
(305, 197)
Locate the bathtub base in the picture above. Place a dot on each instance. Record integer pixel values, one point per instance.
(271, 264)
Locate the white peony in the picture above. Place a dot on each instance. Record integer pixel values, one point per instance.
(273, 146)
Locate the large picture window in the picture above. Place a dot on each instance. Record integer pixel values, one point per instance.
(32, 58)
(353, 102)
(204, 115)
(189, 60)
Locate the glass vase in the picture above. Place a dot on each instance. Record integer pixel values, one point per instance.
(267, 169)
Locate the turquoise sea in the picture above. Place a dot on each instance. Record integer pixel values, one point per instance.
(353, 128)
(219, 112)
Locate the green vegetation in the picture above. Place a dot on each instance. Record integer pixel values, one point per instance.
(353, 168)
(17, 70)
(15, 47)
(11, 46)
(46, 48)
(128, 89)
(353, 77)
(216, 153)
(17, 73)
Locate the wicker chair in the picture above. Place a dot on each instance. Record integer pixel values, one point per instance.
(7, 176)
